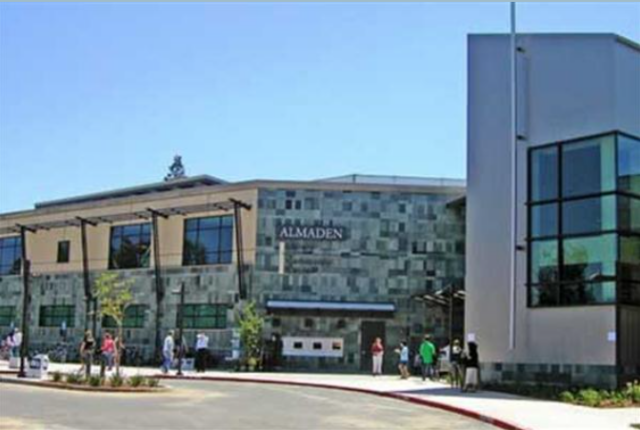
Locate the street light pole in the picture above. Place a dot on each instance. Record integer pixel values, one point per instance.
(180, 329)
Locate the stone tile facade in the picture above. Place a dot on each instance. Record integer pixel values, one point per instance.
(396, 245)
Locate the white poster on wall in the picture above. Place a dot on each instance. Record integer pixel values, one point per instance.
(471, 337)
(611, 336)
(296, 346)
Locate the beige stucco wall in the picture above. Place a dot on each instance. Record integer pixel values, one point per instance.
(42, 246)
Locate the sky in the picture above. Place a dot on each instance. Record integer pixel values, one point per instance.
(101, 96)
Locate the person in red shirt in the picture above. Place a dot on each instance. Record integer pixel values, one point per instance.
(377, 353)
(108, 352)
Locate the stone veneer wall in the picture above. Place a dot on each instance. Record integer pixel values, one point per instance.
(567, 375)
(213, 284)
(378, 262)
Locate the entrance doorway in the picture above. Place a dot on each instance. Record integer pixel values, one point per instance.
(369, 330)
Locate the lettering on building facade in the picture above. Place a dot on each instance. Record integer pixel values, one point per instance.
(294, 232)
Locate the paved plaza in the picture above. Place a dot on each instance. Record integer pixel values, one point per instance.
(218, 405)
(280, 405)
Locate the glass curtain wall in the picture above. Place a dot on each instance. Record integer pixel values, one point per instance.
(584, 222)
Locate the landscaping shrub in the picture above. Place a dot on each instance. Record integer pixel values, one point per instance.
(136, 380)
(153, 382)
(589, 397)
(567, 397)
(632, 392)
(74, 378)
(56, 376)
(116, 380)
(95, 381)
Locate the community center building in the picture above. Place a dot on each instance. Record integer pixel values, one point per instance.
(553, 208)
(332, 263)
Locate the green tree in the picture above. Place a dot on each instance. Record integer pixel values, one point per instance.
(114, 295)
(250, 323)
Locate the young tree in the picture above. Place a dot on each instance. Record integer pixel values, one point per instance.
(114, 295)
(250, 323)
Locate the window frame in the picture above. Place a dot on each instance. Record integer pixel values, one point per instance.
(7, 316)
(61, 253)
(140, 234)
(139, 319)
(70, 311)
(188, 260)
(16, 265)
(560, 237)
(219, 314)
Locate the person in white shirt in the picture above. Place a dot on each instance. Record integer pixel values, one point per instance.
(202, 351)
(167, 352)
(16, 343)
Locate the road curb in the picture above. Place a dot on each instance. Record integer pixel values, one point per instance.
(496, 422)
(83, 388)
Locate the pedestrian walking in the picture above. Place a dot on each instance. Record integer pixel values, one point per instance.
(86, 352)
(202, 351)
(470, 361)
(427, 352)
(455, 357)
(403, 363)
(107, 350)
(167, 352)
(377, 354)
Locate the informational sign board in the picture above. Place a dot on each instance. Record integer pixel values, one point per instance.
(312, 346)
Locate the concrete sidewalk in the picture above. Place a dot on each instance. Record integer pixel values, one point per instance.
(503, 410)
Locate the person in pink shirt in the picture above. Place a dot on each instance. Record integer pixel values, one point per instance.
(108, 351)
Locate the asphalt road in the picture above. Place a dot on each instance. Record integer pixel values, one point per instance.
(218, 405)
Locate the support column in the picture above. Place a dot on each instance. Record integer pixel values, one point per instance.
(237, 214)
(26, 299)
(88, 295)
(159, 287)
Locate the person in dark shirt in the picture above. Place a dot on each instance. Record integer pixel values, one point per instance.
(86, 352)
(470, 361)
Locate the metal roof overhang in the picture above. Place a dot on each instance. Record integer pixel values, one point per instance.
(330, 306)
(74, 221)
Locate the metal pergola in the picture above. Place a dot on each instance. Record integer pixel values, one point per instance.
(148, 214)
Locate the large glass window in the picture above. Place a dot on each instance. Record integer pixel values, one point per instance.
(589, 215)
(134, 317)
(589, 258)
(629, 258)
(209, 316)
(588, 167)
(10, 255)
(7, 315)
(208, 240)
(584, 237)
(130, 246)
(544, 262)
(544, 220)
(629, 213)
(629, 164)
(544, 174)
(54, 316)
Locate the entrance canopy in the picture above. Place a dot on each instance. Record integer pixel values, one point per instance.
(299, 305)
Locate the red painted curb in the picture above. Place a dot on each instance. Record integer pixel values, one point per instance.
(496, 422)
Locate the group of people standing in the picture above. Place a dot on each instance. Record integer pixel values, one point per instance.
(463, 365)
(171, 351)
(110, 352)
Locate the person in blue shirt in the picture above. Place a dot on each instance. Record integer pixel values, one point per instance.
(403, 364)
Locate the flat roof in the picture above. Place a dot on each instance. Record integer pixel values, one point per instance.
(155, 187)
